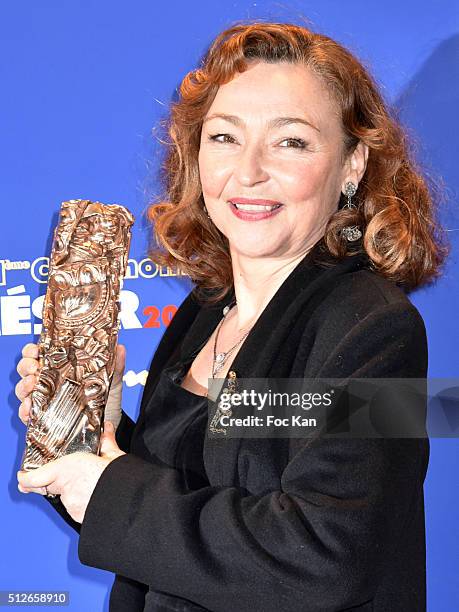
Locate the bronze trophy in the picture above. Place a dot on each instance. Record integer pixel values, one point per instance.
(80, 330)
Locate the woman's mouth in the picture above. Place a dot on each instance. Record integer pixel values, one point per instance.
(254, 212)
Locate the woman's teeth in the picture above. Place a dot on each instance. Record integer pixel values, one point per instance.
(255, 207)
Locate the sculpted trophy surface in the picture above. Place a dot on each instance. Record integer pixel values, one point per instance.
(78, 341)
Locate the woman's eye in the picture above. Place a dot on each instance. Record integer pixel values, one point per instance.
(215, 136)
(295, 143)
(299, 143)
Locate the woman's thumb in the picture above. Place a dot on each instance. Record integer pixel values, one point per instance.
(108, 440)
(120, 359)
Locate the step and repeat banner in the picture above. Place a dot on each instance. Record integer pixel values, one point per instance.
(84, 88)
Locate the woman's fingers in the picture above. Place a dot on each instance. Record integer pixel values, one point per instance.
(24, 409)
(26, 366)
(30, 350)
(25, 386)
(39, 490)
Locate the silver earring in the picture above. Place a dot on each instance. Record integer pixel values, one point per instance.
(350, 232)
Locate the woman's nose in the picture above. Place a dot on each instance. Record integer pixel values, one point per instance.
(250, 167)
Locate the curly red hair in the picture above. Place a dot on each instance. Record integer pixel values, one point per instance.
(396, 208)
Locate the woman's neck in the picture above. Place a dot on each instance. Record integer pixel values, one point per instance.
(255, 283)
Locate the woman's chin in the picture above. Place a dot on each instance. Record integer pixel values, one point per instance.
(257, 251)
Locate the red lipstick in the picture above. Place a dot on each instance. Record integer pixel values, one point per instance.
(243, 212)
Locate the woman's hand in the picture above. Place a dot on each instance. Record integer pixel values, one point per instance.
(28, 369)
(73, 477)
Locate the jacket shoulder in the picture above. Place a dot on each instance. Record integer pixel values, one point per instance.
(358, 294)
(367, 325)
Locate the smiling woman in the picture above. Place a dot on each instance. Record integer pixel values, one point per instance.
(292, 202)
(278, 112)
(284, 145)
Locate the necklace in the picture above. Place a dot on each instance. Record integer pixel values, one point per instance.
(220, 359)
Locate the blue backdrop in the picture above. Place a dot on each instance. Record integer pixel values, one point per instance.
(83, 85)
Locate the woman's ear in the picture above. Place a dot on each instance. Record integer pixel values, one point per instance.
(357, 163)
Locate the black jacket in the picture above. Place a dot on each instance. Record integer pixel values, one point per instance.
(314, 525)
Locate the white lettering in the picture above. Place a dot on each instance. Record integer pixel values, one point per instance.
(129, 305)
(40, 270)
(15, 313)
(37, 311)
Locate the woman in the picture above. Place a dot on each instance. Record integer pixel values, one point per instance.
(287, 122)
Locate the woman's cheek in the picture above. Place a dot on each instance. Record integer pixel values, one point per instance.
(209, 176)
(303, 182)
(298, 184)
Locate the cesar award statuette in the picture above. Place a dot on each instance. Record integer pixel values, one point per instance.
(78, 341)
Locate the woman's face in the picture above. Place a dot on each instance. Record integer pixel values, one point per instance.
(249, 150)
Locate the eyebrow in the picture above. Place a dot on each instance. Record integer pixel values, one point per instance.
(274, 123)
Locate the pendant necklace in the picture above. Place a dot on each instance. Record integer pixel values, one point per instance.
(219, 359)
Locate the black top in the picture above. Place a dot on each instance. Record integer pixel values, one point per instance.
(180, 420)
(294, 525)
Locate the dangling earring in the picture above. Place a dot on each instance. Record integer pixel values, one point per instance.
(205, 210)
(350, 232)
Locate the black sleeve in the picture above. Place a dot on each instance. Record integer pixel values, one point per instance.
(317, 543)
